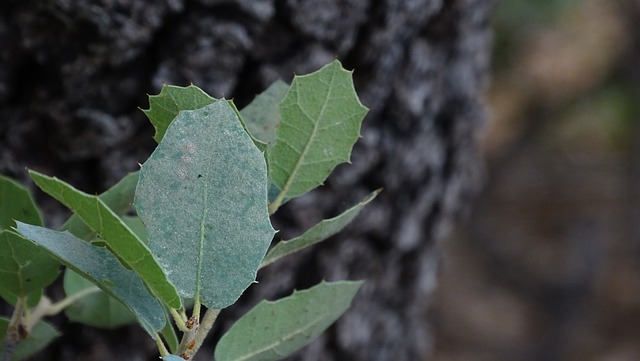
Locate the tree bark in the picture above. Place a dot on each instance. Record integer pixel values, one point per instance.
(72, 74)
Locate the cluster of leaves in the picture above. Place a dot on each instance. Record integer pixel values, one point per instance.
(201, 229)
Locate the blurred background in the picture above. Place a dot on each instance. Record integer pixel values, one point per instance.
(547, 267)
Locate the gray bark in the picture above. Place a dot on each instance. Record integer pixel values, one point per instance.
(72, 74)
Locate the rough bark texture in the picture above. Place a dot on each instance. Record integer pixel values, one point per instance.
(73, 72)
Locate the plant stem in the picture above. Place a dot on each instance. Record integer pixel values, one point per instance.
(46, 308)
(69, 300)
(15, 331)
(207, 323)
(179, 319)
(196, 309)
(161, 347)
(273, 207)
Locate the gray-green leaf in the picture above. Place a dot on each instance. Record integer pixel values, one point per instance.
(261, 116)
(316, 234)
(172, 358)
(164, 107)
(103, 269)
(97, 309)
(40, 336)
(275, 330)
(202, 196)
(321, 118)
(24, 267)
(120, 239)
(16, 203)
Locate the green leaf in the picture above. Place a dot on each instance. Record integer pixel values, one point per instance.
(262, 146)
(40, 336)
(170, 336)
(16, 203)
(119, 238)
(97, 309)
(275, 330)
(24, 267)
(202, 196)
(164, 107)
(103, 269)
(118, 198)
(321, 118)
(261, 116)
(32, 298)
(136, 226)
(318, 233)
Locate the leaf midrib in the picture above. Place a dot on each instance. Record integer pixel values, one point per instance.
(205, 197)
(307, 146)
(284, 339)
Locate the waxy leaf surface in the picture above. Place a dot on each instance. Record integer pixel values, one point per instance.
(172, 358)
(320, 121)
(120, 239)
(97, 309)
(316, 234)
(202, 196)
(261, 116)
(103, 269)
(118, 198)
(39, 337)
(275, 330)
(24, 267)
(16, 203)
(164, 107)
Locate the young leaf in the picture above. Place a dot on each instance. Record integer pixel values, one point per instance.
(16, 203)
(103, 269)
(118, 198)
(202, 196)
(321, 117)
(261, 116)
(164, 107)
(97, 309)
(120, 239)
(318, 233)
(40, 336)
(24, 267)
(275, 330)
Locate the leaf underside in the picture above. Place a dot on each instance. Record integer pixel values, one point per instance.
(121, 240)
(97, 309)
(275, 330)
(316, 234)
(202, 197)
(24, 267)
(261, 116)
(103, 269)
